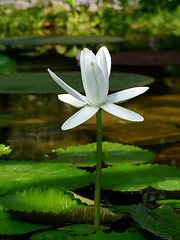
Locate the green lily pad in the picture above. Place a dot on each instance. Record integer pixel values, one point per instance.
(106, 236)
(20, 175)
(113, 153)
(64, 232)
(41, 82)
(58, 40)
(127, 177)
(4, 150)
(7, 65)
(44, 199)
(11, 225)
(163, 221)
(174, 203)
(55, 206)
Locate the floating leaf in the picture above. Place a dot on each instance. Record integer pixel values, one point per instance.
(106, 236)
(174, 203)
(58, 40)
(11, 225)
(42, 83)
(7, 65)
(44, 199)
(113, 153)
(127, 177)
(20, 175)
(4, 150)
(64, 232)
(55, 206)
(162, 222)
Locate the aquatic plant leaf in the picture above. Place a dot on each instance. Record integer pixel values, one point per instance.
(11, 225)
(163, 221)
(106, 236)
(7, 65)
(113, 153)
(43, 199)
(20, 175)
(174, 203)
(54, 206)
(58, 40)
(64, 232)
(127, 177)
(4, 150)
(41, 82)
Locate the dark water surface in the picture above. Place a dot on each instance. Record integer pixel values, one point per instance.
(30, 124)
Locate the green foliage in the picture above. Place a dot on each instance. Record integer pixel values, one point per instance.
(174, 203)
(113, 153)
(137, 24)
(42, 82)
(128, 177)
(44, 199)
(21, 175)
(4, 150)
(64, 233)
(14, 225)
(7, 65)
(162, 222)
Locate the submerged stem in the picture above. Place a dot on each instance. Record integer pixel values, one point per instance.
(97, 193)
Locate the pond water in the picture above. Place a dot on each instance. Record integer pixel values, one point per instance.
(30, 124)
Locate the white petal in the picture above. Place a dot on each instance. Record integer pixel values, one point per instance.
(95, 86)
(96, 91)
(67, 88)
(102, 62)
(67, 98)
(122, 112)
(79, 117)
(126, 94)
(108, 58)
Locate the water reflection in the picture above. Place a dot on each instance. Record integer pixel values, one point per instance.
(30, 124)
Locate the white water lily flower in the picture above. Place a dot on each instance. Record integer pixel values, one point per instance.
(95, 71)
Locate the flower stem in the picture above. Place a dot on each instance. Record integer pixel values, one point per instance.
(97, 193)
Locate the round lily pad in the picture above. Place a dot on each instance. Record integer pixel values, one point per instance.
(113, 153)
(127, 177)
(20, 175)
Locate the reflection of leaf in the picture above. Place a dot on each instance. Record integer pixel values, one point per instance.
(54, 205)
(174, 203)
(127, 177)
(20, 175)
(113, 153)
(13, 225)
(7, 65)
(4, 150)
(42, 83)
(162, 221)
(58, 40)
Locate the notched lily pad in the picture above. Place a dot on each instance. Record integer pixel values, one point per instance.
(11, 225)
(106, 236)
(113, 153)
(174, 203)
(41, 82)
(20, 175)
(163, 221)
(4, 150)
(55, 206)
(127, 177)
